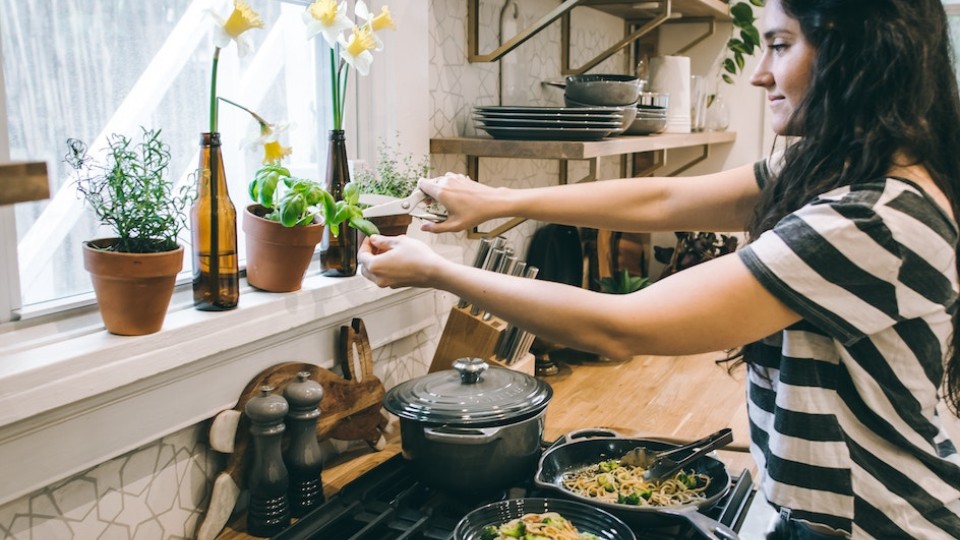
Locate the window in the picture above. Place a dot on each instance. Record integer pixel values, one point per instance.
(89, 68)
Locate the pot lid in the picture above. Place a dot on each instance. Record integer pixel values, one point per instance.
(473, 393)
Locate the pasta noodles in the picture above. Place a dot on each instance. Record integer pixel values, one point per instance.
(546, 526)
(611, 481)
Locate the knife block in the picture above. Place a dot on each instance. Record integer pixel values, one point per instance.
(467, 335)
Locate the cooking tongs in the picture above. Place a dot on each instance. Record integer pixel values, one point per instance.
(660, 465)
(384, 205)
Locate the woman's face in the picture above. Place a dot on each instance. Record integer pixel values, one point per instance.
(786, 67)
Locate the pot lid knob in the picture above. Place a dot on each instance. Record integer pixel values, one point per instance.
(470, 369)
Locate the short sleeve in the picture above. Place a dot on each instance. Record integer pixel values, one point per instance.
(765, 170)
(836, 263)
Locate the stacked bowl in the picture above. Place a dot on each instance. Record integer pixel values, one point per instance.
(651, 114)
(604, 90)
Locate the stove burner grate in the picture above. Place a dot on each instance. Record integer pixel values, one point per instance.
(389, 503)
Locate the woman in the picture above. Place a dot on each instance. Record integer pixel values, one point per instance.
(851, 269)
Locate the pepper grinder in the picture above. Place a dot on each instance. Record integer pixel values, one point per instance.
(269, 511)
(302, 457)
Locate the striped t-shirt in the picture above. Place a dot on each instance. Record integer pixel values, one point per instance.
(842, 405)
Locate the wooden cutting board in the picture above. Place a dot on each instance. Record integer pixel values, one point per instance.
(350, 410)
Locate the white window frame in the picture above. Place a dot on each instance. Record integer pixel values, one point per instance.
(73, 396)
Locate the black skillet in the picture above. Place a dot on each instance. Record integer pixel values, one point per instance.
(584, 448)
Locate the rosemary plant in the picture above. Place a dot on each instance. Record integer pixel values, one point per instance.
(131, 192)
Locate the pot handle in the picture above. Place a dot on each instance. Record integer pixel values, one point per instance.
(584, 433)
(708, 527)
(461, 435)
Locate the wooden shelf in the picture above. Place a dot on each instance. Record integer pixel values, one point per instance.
(625, 9)
(648, 15)
(510, 148)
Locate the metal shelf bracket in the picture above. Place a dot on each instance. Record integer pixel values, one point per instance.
(473, 31)
(663, 15)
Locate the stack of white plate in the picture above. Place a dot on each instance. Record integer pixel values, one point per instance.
(548, 123)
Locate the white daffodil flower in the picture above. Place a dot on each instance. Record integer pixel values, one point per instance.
(355, 50)
(375, 22)
(327, 17)
(269, 139)
(241, 19)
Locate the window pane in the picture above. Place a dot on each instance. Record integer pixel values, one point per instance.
(89, 68)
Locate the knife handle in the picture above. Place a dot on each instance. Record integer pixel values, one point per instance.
(478, 261)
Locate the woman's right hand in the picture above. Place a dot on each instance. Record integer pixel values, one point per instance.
(468, 203)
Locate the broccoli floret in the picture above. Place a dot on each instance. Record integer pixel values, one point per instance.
(688, 480)
(632, 498)
(607, 466)
(490, 532)
(515, 529)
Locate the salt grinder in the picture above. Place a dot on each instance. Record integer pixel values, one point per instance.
(269, 510)
(303, 458)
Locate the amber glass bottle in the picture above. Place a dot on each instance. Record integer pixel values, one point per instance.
(338, 254)
(216, 271)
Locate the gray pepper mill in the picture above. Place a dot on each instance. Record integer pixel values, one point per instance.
(269, 510)
(303, 458)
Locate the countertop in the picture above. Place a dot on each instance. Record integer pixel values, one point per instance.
(683, 398)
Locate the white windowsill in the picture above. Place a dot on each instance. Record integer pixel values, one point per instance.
(73, 395)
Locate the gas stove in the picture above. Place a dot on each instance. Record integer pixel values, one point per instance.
(389, 503)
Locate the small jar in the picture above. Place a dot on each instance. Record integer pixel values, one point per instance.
(718, 115)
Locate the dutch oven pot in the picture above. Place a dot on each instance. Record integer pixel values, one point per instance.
(474, 429)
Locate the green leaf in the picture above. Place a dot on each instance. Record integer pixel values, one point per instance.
(730, 66)
(751, 36)
(292, 208)
(758, 3)
(737, 46)
(268, 186)
(363, 225)
(739, 59)
(727, 79)
(742, 14)
(351, 193)
(329, 208)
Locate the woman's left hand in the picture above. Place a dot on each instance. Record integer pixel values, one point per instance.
(398, 261)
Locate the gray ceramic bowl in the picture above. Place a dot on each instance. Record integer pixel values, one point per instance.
(646, 126)
(605, 90)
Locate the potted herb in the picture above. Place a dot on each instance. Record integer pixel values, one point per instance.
(393, 176)
(622, 283)
(286, 222)
(130, 191)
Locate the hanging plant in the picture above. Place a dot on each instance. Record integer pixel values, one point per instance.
(744, 41)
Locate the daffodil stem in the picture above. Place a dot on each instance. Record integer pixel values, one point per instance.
(335, 86)
(343, 91)
(239, 106)
(213, 91)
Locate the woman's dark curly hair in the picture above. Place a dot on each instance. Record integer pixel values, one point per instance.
(883, 87)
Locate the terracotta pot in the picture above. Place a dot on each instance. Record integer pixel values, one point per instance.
(277, 256)
(133, 289)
